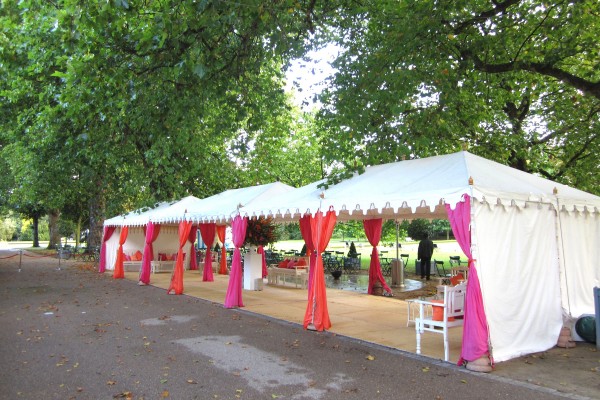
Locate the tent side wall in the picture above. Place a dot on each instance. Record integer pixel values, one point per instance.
(166, 242)
(580, 244)
(517, 257)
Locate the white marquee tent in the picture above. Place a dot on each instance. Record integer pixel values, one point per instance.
(218, 208)
(535, 241)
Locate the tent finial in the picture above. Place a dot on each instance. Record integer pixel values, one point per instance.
(465, 146)
(470, 181)
(555, 190)
(322, 195)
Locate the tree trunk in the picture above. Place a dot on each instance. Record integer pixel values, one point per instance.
(77, 233)
(53, 218)
(36, 236)
(97, 210)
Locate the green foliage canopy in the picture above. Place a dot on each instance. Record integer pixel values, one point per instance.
(516, 80)
(137, 102)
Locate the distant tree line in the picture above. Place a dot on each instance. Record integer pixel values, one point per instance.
(353, 230)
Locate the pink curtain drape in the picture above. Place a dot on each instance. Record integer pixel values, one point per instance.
(317, 314)
(192, 240)
(108, 232)
(261, 250)
(221, 231)
(208, 232)
(373, 232)
(152, 232)
(176, 286)
(475, 330)
(233, 297)
(119, 272)
(306, 232)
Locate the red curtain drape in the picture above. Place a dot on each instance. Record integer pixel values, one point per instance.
(475, 331)
(261, 250)
(373, 232)
(119, 272)
(176, 286)
(208, 231)
(108, 232)
(152, 232)
(317, 315)
(192, 240)
(233, 298)
(306, 232)
(221, 231)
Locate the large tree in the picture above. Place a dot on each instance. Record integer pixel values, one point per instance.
(516, 80)
(114, 105)
(125, 103)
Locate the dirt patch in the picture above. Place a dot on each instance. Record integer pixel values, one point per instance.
(429, 289)
(575, 370)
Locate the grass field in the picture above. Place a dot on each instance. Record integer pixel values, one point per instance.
(445, 249)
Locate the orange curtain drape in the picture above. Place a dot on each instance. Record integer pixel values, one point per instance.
(221, 230)
(151, 234)
(207, 231)
(317, 315)
(261, 250)
(176, 286)
(306, 232)
(373, 231)
(192, 240)
(119, 272)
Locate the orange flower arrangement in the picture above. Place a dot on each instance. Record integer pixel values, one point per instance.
(260, 232)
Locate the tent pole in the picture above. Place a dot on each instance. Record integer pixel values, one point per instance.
(398, 254)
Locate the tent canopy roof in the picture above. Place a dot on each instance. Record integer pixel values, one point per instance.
(407, 189)
(420, 188)
(217, 208)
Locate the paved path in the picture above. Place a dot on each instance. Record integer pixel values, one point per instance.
(76, 334)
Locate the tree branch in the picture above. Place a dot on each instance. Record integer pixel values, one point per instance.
(499, 8)
(586, 86)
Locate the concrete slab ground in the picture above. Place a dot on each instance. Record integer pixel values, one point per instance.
(375, 319)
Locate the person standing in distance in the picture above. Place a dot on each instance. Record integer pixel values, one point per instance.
(424, 254)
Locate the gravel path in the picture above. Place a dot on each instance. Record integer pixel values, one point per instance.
(75, 334)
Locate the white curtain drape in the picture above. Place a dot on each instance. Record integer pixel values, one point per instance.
(580, 273)
(517, 255)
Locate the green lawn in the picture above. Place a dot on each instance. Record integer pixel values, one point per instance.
(445, 249)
